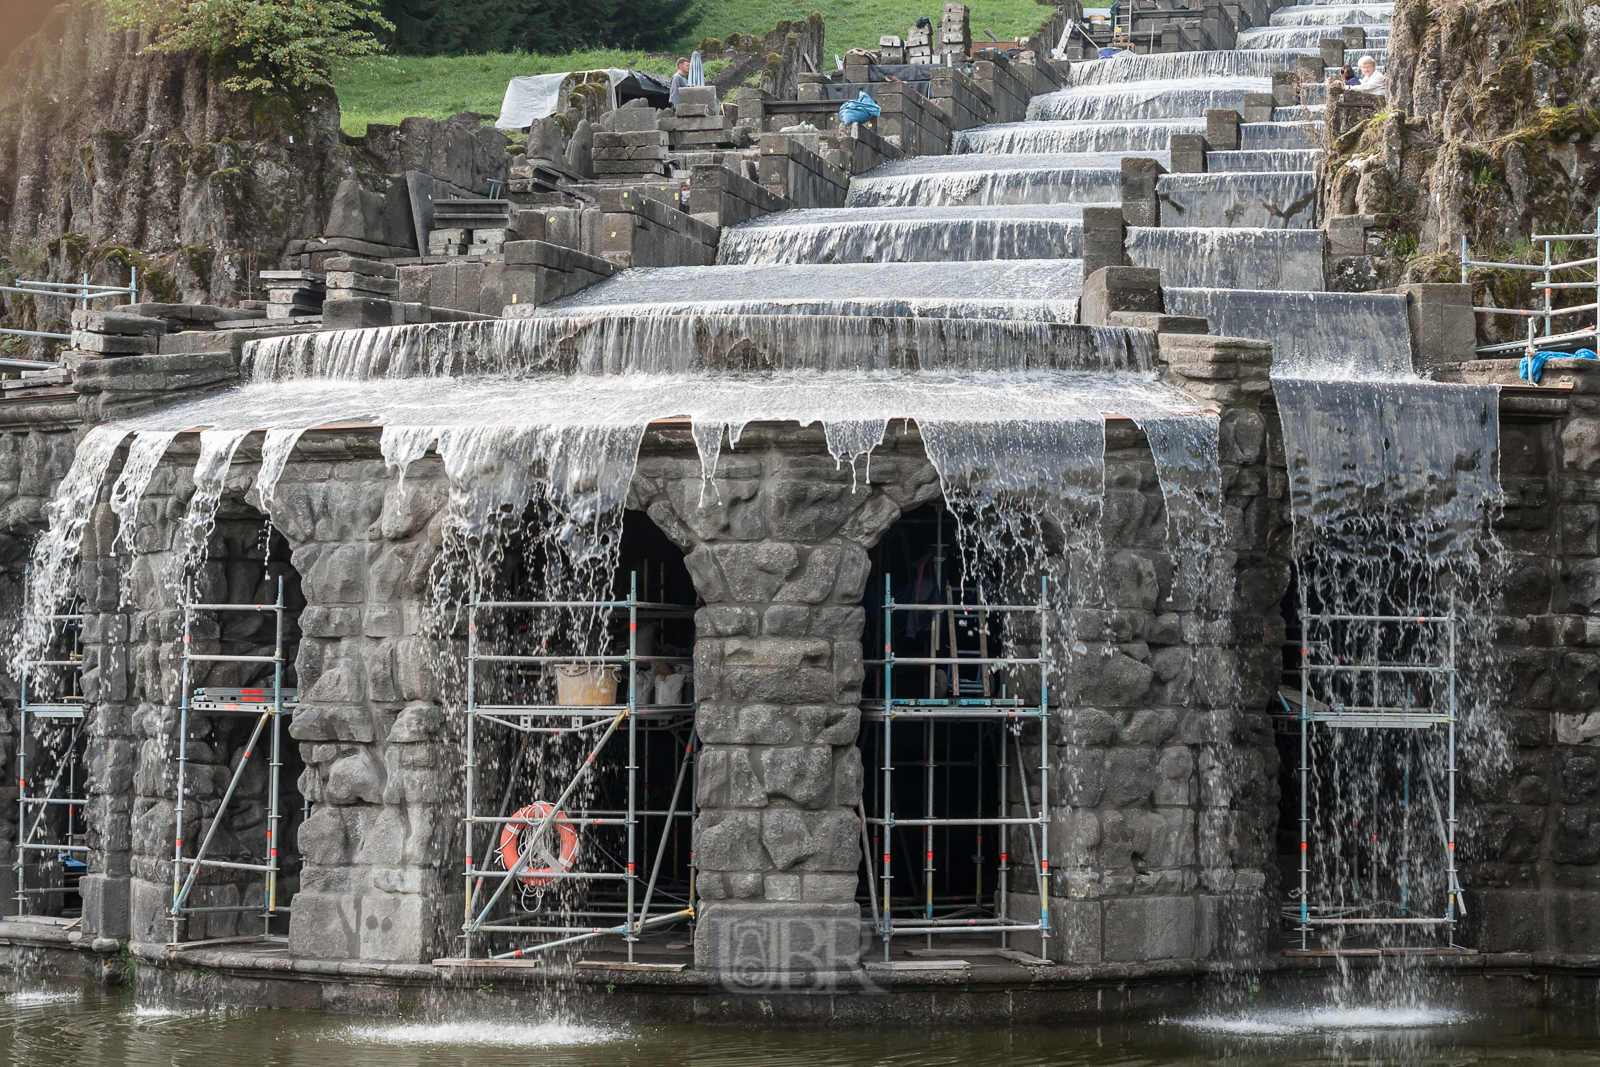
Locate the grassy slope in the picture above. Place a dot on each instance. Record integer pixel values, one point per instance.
(438, 87)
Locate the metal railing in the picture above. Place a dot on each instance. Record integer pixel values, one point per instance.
(81, 291)
(1546, 282)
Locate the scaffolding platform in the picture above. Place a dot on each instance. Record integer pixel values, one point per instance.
(555, 844)
(1343, 658)
(268, 705)
(1000, 720)
(52, 712)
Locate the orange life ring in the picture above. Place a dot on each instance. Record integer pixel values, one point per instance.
(512, 832)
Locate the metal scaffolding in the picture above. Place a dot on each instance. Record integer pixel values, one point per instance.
(267, 705)
(553, 833)
(1346, 684)
(1001, 719)
(51, 788)
(1548, 286)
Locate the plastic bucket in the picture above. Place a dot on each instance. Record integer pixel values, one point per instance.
(585, 686)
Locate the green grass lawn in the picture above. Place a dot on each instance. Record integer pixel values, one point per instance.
(440, 86)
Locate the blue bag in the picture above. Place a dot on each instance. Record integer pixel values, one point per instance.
(860, 109)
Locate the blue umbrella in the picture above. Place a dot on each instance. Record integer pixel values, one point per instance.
(697, 72)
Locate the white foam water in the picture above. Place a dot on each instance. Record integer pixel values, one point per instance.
(1322, 1021)
(479, 1033)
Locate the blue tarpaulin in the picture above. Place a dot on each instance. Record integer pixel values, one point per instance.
(1532, 366)
(860, 109)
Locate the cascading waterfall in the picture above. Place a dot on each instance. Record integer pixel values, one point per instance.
(1279, 199)
(976, 181)
(1301, 38)
(1263, 160)
(1333, 15)
(1181, 66)
(1150, 135)
(1326, 334)
(1227, 257)
(1145, 100)
(906, 235)
(1279, 136)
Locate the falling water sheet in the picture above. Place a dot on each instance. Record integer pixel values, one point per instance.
(1153, 99)
(1143, 136)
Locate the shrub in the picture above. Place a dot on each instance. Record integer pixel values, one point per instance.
(273, 45)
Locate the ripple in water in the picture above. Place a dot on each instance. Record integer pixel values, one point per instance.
(483, 1032)
(1288, 1023)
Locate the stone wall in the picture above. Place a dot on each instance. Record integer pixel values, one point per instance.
(1532, 857)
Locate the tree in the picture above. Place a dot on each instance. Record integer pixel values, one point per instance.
(274, 45)
(460, 27)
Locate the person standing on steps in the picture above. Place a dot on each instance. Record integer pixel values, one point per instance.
(1371, 78)
(679, 80)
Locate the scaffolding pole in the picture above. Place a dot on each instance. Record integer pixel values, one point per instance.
(267, 706)
(1006, 713)
(36, 798)
(1319, 667)
(1547, 313)
(632, 719)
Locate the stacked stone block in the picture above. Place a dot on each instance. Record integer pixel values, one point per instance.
(641, 231)
(293, 293)
(911, 122)
(965, 101)
(798, 174)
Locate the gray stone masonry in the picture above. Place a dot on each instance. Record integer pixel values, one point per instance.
(791, 170)
(911, 122)
(857, 148)
(1285, 88)
(1222, 129)
(720, 197)
(1110, 290)
(1141, 206)
(1163, 765)
(1258, 107)
(1354, 37)
(776, 544)
(1443, 327)
(1531, 858)
(1188, 153)
(641, 231)
(965, 101)
(1007, 83)
(1332, 49)
(1104, 238)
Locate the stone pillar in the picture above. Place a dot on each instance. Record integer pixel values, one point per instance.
(1444, 329)
(777, 546)
(1222, 129)
(1355, 37)
(1141, 206)
(1104, 232)
(1285, 88)
(1332, 49)
(1258, 107)
(1188, 153)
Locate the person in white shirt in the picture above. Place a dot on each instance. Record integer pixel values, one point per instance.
(1371, 78)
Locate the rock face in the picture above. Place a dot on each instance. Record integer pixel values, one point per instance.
(112, 158)
(1489, 134)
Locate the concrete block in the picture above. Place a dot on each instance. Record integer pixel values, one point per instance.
(114, 344)
(117, 323)
(1258, 107)
(1332, 49)
(1285, 88)
(105, 905)
(1354, 37)
(1443, 327)
(633, 119)
(361, 313)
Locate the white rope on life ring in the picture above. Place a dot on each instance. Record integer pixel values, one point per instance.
(510, 851)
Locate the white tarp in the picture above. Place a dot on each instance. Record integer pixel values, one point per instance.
(537, 96)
